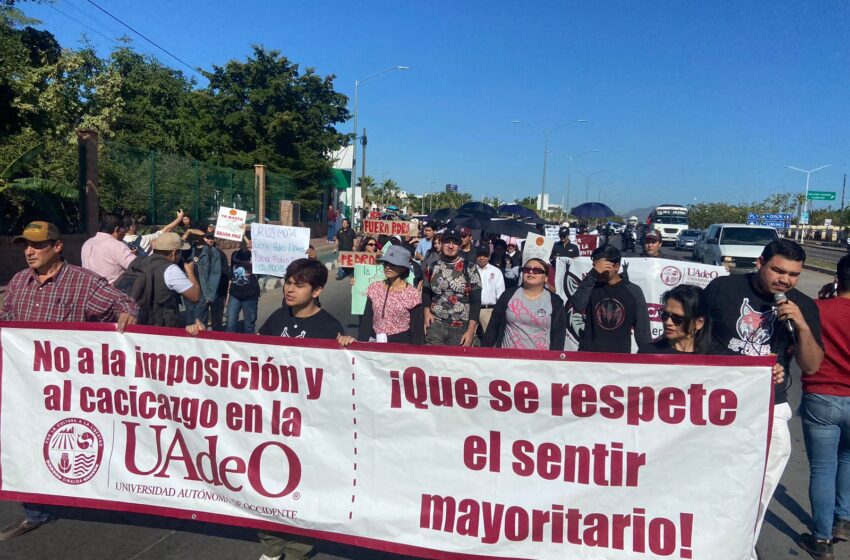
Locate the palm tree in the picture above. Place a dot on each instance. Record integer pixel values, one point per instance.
(367, 186)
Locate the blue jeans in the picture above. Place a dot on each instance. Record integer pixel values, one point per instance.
(331, 231)
(196, 311)
(343, 272)
(826, 429)
(249, 314)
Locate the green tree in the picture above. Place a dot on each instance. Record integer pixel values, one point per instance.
(266, 111)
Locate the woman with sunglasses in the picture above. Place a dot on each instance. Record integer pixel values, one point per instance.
(687, 323)
(393, 307)
(369, 245)
(687, 326)
(528, 316)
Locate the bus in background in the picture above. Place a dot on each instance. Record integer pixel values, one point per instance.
(669, 219)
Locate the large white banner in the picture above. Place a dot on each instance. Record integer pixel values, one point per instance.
(274, 247)
(653, 276)
(452, 452)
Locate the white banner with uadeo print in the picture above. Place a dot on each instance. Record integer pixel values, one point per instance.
(653, 276)
(432, 452)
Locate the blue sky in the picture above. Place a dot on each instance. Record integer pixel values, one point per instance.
(685, 101)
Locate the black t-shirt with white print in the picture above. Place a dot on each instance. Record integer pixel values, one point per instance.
(744, 321)
(283, 323)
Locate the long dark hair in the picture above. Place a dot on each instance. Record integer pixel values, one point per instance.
(695, 305)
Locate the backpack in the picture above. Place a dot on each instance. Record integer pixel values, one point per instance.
(129, 277)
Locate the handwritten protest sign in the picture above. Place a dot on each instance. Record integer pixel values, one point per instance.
(552, 233)
(451, 453)
(390, 227)
(653, 276)
(230, 223)
(277, 246)
(347, 259)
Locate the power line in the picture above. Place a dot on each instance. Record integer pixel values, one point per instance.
(83, 24)
(163, 49)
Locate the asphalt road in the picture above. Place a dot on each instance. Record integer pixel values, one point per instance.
(94, 535)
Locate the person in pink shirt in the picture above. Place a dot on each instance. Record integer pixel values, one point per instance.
(105, 253)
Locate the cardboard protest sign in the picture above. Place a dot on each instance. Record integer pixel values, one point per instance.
(277, 246)
(390, 227)
(449, 453)
(537, 247)
(347, 259)
(653, 276)
(552, 233)
(230, 223)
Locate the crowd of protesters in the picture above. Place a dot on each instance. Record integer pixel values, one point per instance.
(444, 288)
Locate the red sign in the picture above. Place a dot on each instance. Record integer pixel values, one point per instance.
(587, 244)
(347, 259)
(390, 227)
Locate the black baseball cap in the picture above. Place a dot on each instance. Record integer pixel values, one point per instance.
(452, 234)
(564, 231)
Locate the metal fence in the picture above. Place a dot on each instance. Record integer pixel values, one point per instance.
(155, 184)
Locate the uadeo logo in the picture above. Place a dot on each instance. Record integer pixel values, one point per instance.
(671, 275)
(73, 449)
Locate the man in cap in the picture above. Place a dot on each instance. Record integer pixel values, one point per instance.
(106, 253)
(652, 244)
(563, 248)
(451, 296)
(467, 249)
(52, 290)
(158, 294)
(613, 307)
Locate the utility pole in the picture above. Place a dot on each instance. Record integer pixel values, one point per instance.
(841, 212)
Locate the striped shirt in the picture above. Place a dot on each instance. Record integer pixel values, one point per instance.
(73, 294)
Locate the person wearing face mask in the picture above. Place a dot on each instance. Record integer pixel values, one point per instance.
(528, 316)
(613, 307)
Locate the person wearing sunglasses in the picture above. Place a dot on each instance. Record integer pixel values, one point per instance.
(528, 316)
(687, 324)
(613, 307)
(369, 245)
(393, 310)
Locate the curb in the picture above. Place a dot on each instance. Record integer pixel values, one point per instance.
(820, 269)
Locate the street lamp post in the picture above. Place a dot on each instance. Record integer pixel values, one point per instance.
(570, 174)
(546, 132)
(806, 200)
(587, 185)
(354, 156)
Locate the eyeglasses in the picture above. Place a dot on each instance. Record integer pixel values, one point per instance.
(533, 270)
(678, 320)
(370, 245)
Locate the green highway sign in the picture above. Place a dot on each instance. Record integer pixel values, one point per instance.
(821, 195)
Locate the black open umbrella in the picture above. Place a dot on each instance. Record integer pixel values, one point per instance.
(472, 222)
(592, 210)
(442, 215)
(512, 228)
(485, 209)
(517, 210)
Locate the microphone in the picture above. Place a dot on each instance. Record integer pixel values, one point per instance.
(780, 298)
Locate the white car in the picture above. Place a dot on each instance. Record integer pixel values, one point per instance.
(736, 246)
